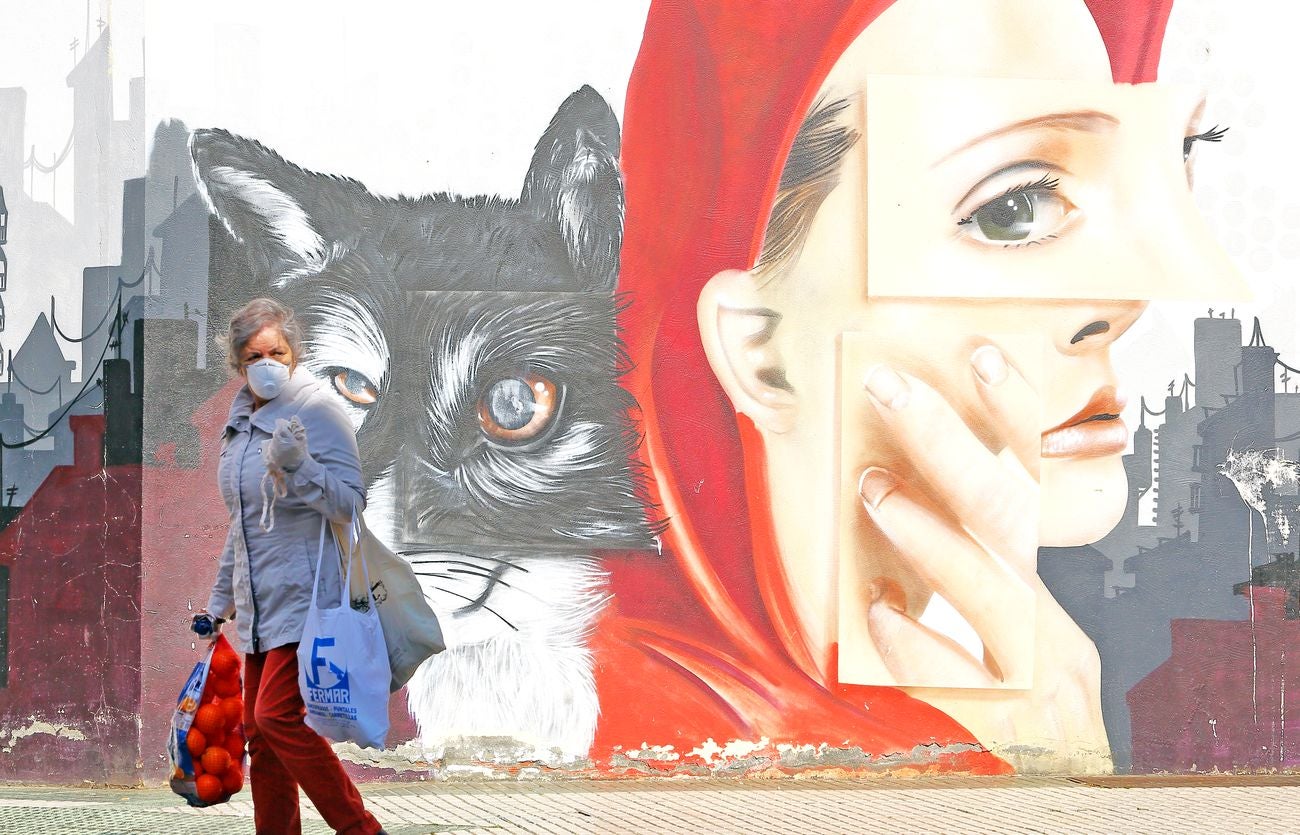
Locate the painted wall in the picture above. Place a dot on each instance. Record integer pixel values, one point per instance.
(640, 441)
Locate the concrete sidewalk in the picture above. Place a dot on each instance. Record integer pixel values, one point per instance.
(1020, 804)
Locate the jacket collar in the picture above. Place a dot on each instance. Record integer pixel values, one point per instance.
(300, 384)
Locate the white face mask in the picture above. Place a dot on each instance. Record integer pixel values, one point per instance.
(266, 378)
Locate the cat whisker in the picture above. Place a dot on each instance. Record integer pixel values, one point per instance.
(494, 578)
(476, 604)
(447, 575)
(485, 557)
(457, 562)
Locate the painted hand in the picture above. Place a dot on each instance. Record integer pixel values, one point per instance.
(287, 448)
(972, 537)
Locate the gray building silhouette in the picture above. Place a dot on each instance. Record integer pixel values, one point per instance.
(1204, 539)
(105, 151)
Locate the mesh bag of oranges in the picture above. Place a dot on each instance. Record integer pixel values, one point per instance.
(206, 743)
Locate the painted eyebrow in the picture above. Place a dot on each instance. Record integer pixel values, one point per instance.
(1089, 121)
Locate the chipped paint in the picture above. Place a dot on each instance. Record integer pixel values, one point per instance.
(466, 759)
(1043, 760)
(1282, 525)
(760, 758)
(499, 759)
(1252, 470)
(657, 753)
(711, 753)
(36, 727)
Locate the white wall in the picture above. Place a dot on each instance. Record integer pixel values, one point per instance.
(407, 97)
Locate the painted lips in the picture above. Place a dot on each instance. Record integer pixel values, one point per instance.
(1095, 431)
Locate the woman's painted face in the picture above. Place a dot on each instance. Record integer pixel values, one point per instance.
(1002, 192)
(1028, 203)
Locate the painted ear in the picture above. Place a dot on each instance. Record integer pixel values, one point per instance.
(277, 210)
(737, 331)
(575, 182)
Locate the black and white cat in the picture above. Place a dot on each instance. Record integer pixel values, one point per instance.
(473, 342)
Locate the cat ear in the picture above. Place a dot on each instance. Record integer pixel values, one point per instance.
(267, 203)
(575, 182)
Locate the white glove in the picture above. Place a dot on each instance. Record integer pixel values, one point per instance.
(287, 448)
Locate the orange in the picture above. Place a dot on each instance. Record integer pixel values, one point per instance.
(233, 780)
(210, 720)
(195, 741)
(209, 788)
(224, 664)
(198, 767)
(233, 709)
(227, 686)
(216, 761)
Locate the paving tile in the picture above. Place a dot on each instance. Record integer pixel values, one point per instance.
(1028, 805)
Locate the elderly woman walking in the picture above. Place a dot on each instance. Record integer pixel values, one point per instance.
(288, 457)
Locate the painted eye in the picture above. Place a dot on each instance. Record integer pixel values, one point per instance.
(356, 387)
(516, 410)
(1025, 215)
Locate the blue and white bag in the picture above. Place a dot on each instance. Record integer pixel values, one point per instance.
(343, 670)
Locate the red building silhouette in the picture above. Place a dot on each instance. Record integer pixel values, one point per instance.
(70, 692)
(1228, 697)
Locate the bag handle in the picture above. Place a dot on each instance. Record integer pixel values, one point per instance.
(320, 555)
(349, 551)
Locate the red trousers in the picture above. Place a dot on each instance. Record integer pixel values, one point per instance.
(286, 754)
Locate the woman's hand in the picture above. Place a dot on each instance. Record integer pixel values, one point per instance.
(287, 448)
(972, 536)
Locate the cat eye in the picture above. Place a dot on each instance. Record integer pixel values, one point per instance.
(516, 410)
(356, 387)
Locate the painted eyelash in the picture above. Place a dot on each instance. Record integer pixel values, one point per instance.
(1039, 242)
(1046, 182)
(1214, 134)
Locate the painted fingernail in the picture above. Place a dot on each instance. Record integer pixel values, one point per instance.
(884, 384)
(875, 485)
(989, 364)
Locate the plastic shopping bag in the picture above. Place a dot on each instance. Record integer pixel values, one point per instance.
(411, 630)
(206, 743)
(343, 668)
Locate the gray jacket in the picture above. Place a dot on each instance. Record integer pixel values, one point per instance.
(264, 579)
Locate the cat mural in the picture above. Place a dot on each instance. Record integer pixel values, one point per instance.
(472, 341)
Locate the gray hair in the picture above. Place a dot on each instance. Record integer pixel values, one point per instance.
(249, 320)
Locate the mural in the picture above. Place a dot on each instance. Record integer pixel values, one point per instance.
(472, 341)
(904, 386)
(71, 401)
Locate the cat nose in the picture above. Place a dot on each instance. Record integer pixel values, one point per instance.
(433, 504)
